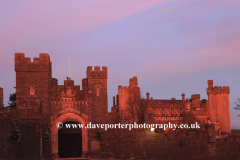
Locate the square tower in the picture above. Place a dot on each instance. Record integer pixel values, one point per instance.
(33, 81)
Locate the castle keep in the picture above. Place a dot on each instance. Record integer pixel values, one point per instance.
(41, 104)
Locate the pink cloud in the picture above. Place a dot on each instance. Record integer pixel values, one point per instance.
(46, 21)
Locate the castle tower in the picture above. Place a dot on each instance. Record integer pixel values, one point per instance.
(97, 94)
(218, 103)
(128, 96)
(32, 84)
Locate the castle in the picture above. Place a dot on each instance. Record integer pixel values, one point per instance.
(214, 110)
(41, 104)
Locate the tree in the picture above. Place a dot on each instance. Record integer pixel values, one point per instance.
(189, 119)
(99, 136)
(183, 143)
(135, 106)
(47, 136)
(237, 106)
(12, 100)
(15, 135)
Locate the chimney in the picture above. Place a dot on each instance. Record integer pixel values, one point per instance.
(147, 96)
(1, 97)
(187, 105)
(113, 101)
(117, 100)
(183, 97)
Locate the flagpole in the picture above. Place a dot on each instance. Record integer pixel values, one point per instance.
(69, 69)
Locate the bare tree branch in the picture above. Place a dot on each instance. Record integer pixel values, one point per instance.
(135, 106)
(237, 107)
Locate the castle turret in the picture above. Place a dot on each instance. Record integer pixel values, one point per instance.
(218, 103)
(210, 84)
(128, 96)
(135, 82)
(130, 82)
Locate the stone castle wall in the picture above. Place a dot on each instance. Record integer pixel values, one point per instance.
(150, 145)
(122, 144)
(28, 146)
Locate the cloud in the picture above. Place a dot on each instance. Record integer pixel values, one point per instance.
(209, 58)
(41, 21)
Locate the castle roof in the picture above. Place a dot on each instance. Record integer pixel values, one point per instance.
(164, 101)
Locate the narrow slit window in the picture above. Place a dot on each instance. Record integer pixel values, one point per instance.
(98, 91)
(32, 92)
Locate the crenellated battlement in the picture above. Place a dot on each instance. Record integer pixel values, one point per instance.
(221, 89)
(132, 84)
(126, 88)
(168, 118)
(123, 88)
(226, 89)
(97, 73)
(217, 89)
(165, 106)
(54, 81)
(119, 87)
(23, 64)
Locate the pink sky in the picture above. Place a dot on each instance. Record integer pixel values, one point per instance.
(173, 47)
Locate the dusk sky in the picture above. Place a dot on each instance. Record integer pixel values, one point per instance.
(173, 47)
